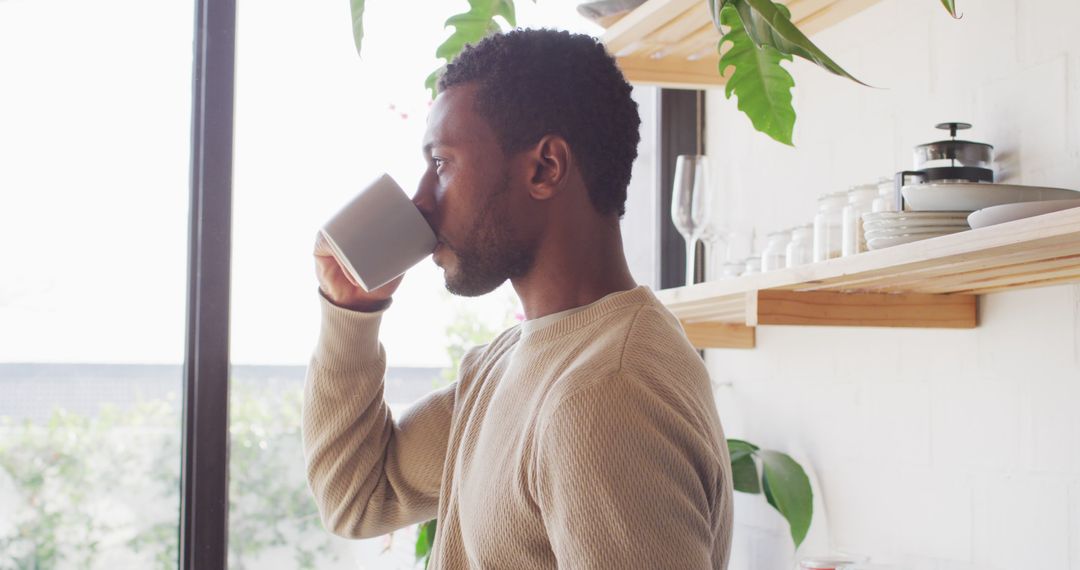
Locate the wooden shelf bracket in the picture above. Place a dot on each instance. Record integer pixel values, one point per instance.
(828, 308)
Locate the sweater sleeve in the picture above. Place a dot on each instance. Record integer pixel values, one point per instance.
(624, 481)
(369, 474)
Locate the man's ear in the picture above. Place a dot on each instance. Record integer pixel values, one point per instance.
(549, 162)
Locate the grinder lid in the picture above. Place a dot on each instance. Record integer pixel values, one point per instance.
(955, 153)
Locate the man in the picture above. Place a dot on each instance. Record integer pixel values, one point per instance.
(585, 437)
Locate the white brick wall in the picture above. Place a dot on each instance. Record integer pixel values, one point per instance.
(1074, 523)
(939, 449)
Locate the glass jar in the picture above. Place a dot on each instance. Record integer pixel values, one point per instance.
(753, 265)
(886, 200)
(860, 200)
(828, 226)
(732, 269)
(800, 250)
(775, 250)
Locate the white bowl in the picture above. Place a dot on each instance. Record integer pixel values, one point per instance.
(1009, 212)
(974, 196)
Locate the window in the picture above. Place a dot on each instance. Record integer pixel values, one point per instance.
(94, 133)
(97, 318)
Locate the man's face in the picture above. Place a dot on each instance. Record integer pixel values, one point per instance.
(471, 197)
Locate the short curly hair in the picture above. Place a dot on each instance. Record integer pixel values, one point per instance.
(536, 82)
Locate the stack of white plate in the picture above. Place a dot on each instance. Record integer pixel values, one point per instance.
(886, 229)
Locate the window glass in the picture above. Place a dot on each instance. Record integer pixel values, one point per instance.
(94, 165)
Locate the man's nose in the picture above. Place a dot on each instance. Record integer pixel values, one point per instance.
(424, 199)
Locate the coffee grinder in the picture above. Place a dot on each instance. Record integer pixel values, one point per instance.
(948, 161)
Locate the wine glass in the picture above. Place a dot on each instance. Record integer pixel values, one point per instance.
(690, 203)
(712, 234)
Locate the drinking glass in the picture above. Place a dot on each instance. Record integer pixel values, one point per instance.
(712, 235)
(690, 203)
(773, 257)
(739, 245)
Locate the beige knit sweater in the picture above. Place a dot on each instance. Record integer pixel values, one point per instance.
(591, 441)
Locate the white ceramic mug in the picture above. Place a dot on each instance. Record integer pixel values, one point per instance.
(379, 234)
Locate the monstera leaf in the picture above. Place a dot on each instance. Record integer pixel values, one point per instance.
(762, 87)
(471, 27)
(769, 23)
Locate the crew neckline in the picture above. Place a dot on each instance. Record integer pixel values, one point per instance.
(556, 324)
(530, 326)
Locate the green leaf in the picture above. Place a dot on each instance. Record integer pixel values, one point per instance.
(744, 474)
(738, 448)
(787, 489)
(507, 11)
(424, 540)
(357, 7)
(950, 5)
(432, 81)
(715, 7)
(762, 87)
(471, 27)
(769, 23)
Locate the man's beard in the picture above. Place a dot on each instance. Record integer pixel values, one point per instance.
(490, 254)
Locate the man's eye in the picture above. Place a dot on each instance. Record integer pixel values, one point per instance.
(438, 162)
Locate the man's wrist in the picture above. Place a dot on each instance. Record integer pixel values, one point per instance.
(360, 307)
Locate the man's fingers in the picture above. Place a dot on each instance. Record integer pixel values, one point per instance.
(322, 249)
(350, 278)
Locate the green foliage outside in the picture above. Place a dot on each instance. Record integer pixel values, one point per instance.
(270, 505)
(72, 475)
(88, 487)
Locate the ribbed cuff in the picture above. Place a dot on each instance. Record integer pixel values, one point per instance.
(348, 339)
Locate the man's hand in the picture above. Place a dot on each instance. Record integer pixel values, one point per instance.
(339, 287)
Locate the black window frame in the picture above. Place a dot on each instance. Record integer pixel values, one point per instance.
(204, 479)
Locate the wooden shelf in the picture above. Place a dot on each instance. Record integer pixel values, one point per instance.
(932, 283)
(673, 43)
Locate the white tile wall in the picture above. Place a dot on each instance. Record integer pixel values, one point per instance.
(1021, 521)
(976, 425)
(1074, 523)
(943, 449)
